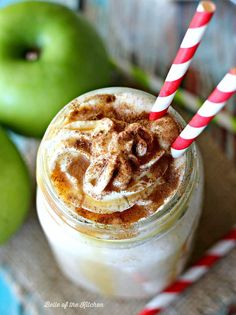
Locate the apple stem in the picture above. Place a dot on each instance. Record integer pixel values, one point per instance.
(32, 55)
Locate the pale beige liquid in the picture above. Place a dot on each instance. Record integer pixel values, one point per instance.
(119, 257)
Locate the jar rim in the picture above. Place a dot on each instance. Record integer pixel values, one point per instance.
(161, 216)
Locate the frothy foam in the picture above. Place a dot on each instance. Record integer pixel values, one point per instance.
(105, 157)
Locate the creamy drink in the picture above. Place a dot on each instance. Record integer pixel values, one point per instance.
(119, 212)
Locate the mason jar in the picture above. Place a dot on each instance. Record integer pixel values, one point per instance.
(133, 262)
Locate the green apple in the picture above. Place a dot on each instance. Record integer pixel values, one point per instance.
(14, 188)
(48, 56)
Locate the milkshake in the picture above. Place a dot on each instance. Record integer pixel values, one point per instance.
(118, 211)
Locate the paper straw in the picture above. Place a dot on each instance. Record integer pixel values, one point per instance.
(182, 97)
(188, 47)
(215, 102)
(193, 274)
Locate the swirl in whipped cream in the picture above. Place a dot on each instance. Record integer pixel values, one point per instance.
(106, 158)
(117, 156)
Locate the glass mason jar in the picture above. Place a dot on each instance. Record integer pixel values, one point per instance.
(137, 261)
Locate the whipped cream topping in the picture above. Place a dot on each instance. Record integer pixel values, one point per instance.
(116, 156)
(106, 157)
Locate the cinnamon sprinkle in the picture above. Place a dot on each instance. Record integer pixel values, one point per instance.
(162, 133)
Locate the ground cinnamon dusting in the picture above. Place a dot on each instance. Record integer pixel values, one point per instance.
(143, 150)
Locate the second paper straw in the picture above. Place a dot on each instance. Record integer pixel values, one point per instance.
(215, 102)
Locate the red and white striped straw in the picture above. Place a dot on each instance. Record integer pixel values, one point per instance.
(193, 274)
(188, 47)
(215, 102)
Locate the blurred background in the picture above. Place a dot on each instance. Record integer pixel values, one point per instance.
(137, 33)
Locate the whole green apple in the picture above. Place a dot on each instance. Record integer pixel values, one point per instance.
(14, 188)
(48, 56)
